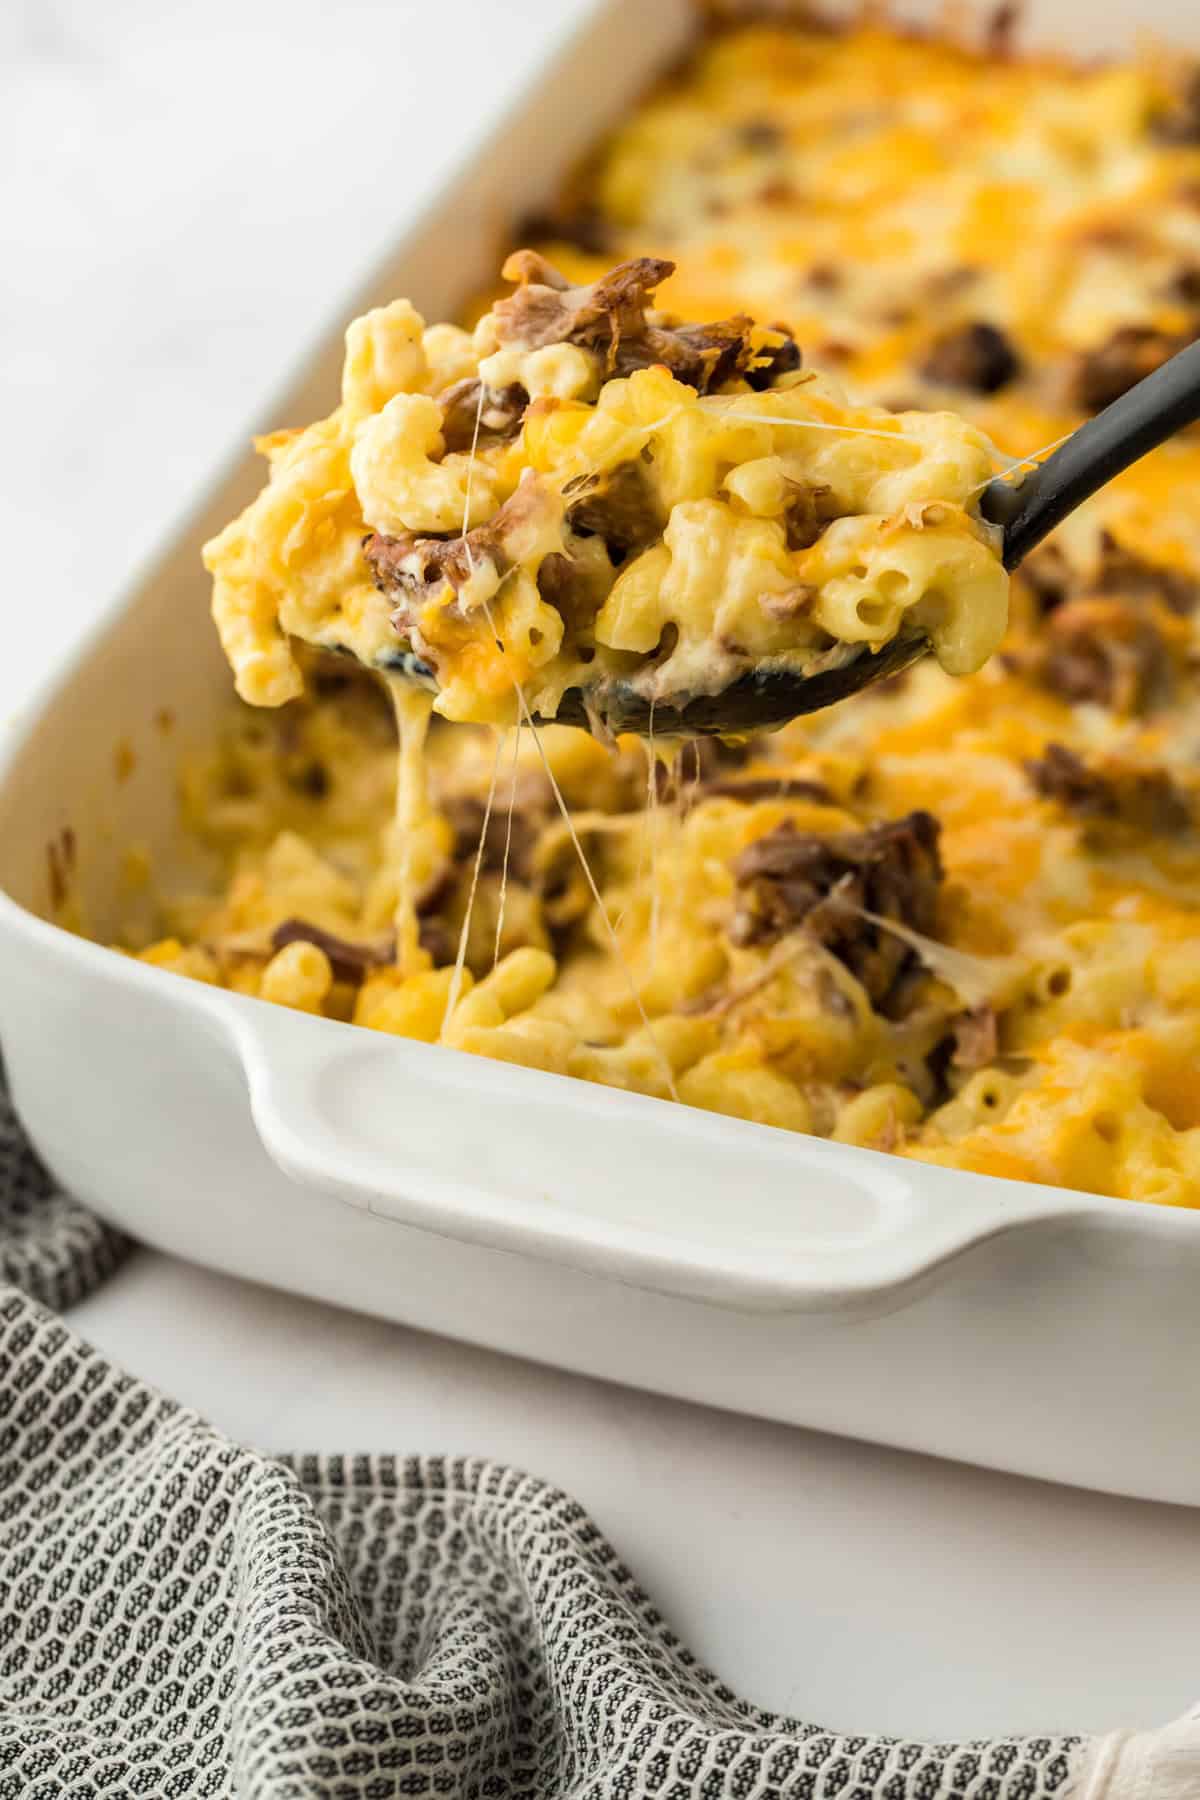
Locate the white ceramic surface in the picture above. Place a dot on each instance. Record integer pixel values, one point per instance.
(1012, 1325)
(152, 294)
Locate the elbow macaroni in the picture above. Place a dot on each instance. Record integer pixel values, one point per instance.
(1044, 1022)
(704, 481)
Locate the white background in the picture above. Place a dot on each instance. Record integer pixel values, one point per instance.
(189, 191)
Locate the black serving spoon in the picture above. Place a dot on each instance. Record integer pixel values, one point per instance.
(1026, 511)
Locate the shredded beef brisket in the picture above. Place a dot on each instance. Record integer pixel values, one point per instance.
(546, 309)
(1104, 635)
(811, 507)
(1062, 775)
(610, 316)
(467, 816)
(792, 878)
(414, 565)
(621, 507)
(352, 962)
(773, 361)
(498, 418)
(1144, 799)
(1100, 376)
(1101, 650)
(564, 585)
(1122, 571)
(348, 960)
(408, 568)
(977, 356)
(751, 789)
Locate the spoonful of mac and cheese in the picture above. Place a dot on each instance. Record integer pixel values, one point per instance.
(589, 512)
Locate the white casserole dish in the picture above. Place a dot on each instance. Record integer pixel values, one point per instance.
(1023, 1327)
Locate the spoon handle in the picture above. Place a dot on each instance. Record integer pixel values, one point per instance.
(1140, 420)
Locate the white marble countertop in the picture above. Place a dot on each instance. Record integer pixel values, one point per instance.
(195, 188)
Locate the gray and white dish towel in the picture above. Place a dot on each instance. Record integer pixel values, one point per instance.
(180, 1616)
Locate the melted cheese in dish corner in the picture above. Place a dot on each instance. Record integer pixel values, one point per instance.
(586, 495)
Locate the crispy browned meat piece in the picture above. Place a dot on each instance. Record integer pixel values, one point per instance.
(546, 309)
(810, 508)
(498, 418)
(750, 789)
(348, 960)
(623, 510)
(1104, 635)
(702, 356)
(1100, 376)
(1100, 649)
(565, 586)
(977, 356)
(1121, 571)
(1143, 799)
(1062, 775)
(778, 359)
(792, 878)
(408, 568)
(621, 507)
(610, 316)
(467, 816)
(415, 565)
(438, 940)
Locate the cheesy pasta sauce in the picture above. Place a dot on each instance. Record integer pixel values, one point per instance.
(953, 918)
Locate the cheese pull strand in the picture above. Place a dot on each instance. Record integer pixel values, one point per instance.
(416, 820)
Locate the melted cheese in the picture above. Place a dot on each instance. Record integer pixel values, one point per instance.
(631, 533)
(876, 193)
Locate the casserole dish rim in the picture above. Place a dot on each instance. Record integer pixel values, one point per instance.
(913, 1219)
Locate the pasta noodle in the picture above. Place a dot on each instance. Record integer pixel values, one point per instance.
(952, 919)
(654, 509)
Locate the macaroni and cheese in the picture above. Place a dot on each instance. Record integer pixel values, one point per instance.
(585, 495)
(952, 919)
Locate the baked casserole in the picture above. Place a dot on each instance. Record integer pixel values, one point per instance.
(954, 918)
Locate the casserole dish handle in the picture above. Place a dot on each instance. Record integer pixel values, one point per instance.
(664, 1197)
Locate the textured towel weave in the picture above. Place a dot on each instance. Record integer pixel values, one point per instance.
(181, 1616)
(50, 1246)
